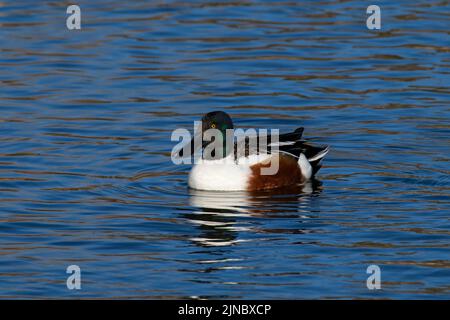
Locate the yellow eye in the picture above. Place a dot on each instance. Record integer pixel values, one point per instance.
(213, 125)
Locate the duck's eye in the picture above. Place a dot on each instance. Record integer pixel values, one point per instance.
(213, 125)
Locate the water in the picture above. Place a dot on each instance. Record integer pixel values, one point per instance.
(85, 170)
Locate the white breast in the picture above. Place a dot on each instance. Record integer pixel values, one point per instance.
(208, 175)
(222, 175)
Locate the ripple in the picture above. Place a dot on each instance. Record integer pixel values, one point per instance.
(85, 170)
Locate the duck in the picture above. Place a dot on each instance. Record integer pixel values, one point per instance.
(248, 164)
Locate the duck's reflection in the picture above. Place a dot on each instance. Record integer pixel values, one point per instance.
(218, 213)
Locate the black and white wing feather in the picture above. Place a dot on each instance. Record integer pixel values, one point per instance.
(251, 145)
(288, 143)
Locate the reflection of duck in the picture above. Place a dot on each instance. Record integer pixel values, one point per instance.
(244, 202)
(218, 212)
(219, 202)
(258, 163)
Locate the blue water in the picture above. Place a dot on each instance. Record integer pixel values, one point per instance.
(86, 176)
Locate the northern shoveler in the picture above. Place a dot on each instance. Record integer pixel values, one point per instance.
(298, 161)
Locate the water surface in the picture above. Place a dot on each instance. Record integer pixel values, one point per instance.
(85, 170)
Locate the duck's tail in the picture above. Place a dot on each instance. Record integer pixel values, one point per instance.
(316, 160)
(307, 152)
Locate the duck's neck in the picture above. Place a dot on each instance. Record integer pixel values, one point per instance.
(221, 150)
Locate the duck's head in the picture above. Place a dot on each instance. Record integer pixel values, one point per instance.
(216, 120)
